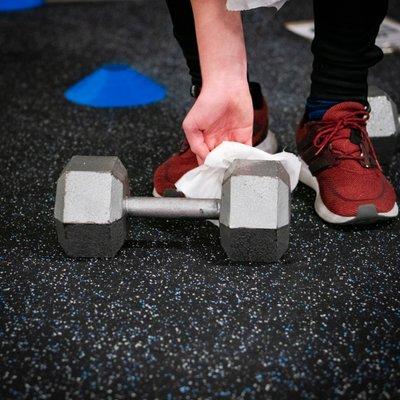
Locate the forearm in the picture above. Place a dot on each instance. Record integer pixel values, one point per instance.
(221, 43)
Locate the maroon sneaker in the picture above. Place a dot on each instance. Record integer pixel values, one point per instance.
(339, 162)
(185, 160)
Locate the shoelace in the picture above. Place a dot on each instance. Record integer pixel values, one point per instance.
(331, 131)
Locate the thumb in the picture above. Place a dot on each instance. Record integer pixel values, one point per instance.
(249, 142)
(247, 138)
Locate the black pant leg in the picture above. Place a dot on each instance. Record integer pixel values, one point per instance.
(185, 33)
(344, 46)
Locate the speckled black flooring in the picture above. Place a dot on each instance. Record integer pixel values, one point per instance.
(171, 317)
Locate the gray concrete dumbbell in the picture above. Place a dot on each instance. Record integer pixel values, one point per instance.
(383, 125)
(92, 202)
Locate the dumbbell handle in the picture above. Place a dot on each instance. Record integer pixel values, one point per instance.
(172, 207)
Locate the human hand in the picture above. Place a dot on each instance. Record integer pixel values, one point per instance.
(222, 112)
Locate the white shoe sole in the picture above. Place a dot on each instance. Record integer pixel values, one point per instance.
(269, 145)
(366, 213)
(155, 194)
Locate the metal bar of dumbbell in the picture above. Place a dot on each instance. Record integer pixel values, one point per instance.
(93, 201)
(172, 207)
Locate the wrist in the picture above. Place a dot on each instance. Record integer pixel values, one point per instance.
(226, 82)
(227, 70)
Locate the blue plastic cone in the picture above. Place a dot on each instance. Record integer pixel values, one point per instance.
(115, 85)
(19, 5)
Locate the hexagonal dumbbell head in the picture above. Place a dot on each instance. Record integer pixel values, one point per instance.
(383, 125)
(89, 211)
(255, 211)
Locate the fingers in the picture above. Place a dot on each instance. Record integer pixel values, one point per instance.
(200, 161)
(195, 138)
(211, 141)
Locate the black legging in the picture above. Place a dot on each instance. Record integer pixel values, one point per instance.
(344, 45)
(185, 33)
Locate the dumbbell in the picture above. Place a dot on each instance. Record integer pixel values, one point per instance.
(92, 203)
(383, 125)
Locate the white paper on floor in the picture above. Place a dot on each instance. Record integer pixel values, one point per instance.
(205, 181)
(388, 38)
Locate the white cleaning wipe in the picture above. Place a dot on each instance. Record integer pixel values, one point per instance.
(205, 181)
(239, 5)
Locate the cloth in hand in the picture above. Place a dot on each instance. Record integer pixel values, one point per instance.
(205, 181)
(239, 5)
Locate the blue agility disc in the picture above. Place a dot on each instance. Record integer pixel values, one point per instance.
(115, 85)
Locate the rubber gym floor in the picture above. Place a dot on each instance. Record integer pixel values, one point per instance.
(171, 317)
